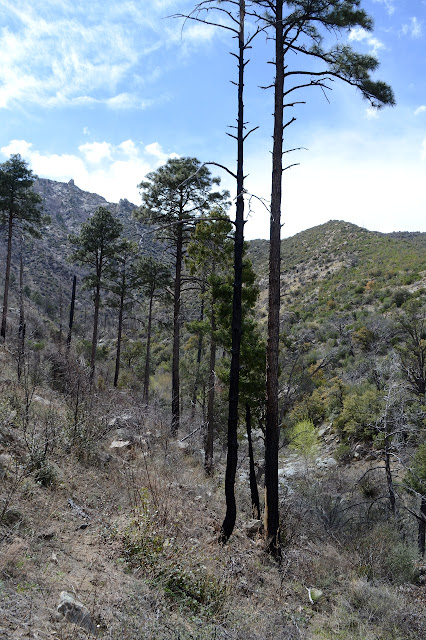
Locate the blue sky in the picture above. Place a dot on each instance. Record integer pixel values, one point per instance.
(104, 92)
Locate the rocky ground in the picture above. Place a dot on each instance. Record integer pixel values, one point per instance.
(118, 539)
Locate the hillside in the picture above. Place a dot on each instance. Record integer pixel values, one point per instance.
(48, 272)
(99, 501)
(330, 263)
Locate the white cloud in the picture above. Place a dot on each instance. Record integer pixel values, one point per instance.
(155, 150)
(112, 171)
(420, 110)
(371, 113)
(17, 146)
(389, 4)
(95, 152)
(373, 182)
(414, 28)
(57, 54)
(358, 34)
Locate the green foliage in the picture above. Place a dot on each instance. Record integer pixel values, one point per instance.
(97, 245)
(83, 347)
(416, 476)
(361, 410)
(304, 439)
(175, 195)
(312, 407)
(154, 276)
(18, 201)
(194, 589)
(364, 338)
(412, 351)
(46, 474)
(145, 545)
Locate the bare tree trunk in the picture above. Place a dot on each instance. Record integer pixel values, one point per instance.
(7, 278)
(232, 454)
(21, 328)
(422, 527)
(391, 489)
(120, 329)
(145, 396)
(208, 449)
(254, 493)
(272, 417)
(72, 307)
(95, 333)
(176, 333)
(199, 355)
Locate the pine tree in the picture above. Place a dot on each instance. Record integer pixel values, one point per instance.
(123, 283)
(20, 207)
(96, 247)
(299, 27)
(153, 277)
(210, 256)
(174, 197)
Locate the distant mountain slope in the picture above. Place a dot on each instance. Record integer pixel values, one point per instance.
(340, 266)
(47, 267)
(334, 266)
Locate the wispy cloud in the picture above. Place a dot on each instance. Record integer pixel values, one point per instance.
(57, 53)
(389, 4)
(420, 110)
(414, 28)
(358, 34)
(113, 171)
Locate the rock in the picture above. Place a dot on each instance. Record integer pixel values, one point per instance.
(74, 611)
(325, 462)
(291, 468)
(253, 527)
(41, 400)
(324, 429)
(183, 445)
(120, 444)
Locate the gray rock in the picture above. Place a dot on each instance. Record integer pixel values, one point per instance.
(325, 463)
(74, 611)
(120, 444)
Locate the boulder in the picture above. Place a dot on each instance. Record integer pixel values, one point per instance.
(74, 611)
(120, 444)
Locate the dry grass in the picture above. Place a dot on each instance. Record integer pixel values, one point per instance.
(147, 565)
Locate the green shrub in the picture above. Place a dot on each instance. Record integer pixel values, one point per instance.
(360, 412)
(304, 438)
